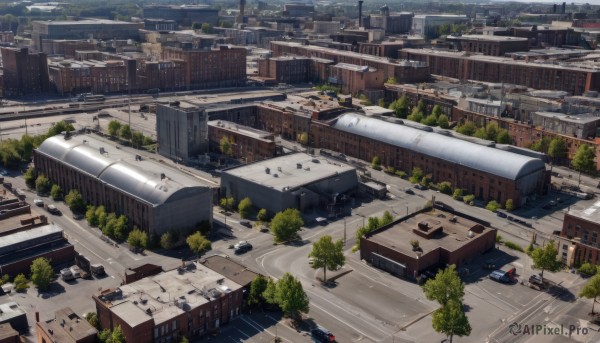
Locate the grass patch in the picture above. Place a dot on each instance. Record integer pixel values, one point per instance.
(513, 246)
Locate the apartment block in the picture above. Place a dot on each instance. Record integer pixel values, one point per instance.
(281, 119)
(391, 23)
(66, 48)
(100, 77)
(489, 45)
(294, 69)
(164, 75)
(23, 72)
(247, 143)
(355, 79)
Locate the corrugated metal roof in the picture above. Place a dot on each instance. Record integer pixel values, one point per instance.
(479, 157)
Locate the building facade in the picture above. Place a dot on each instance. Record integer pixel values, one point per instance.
(489, 45)
(182, 130)
(246, 143)
(23, 72)
(578, 241)
(184, 15)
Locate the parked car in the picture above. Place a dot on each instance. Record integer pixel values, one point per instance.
(536, 280)
(322, 335)
(38, 202)
(500, 276)
(409, 191)
(53, 209)
(245, 223)
(501, 214)
(242, 247)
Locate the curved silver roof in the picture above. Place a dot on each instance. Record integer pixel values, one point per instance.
(119, 169)
(494, 161)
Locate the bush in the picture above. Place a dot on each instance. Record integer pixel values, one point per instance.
(588, 269)
(513, 246)
(245, 208)
(263, 215)
(509, 206)
(56, 192)
(417, 175)
(390, 170)
(376, 163)
(468, 199)
(401, 174)
(457, 194)
(529, 249)
(445, 187)
(493, 206)
(21, 283)
(499, 239)
(166, 241)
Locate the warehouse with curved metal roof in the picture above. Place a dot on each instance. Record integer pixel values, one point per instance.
(152, 195)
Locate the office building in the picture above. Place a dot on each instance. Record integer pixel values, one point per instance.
(427, 24)
(182, 130)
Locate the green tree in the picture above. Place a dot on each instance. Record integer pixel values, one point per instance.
(285, 225)
(245, 208)
(91, 217)
(493, 206)
(544, 258)
(303, 138)
(42, 184)
(503, 137)
(262, 215)
(591, 290)
(166, 241)
(102, 216)
(114, 127)
(387, 218)
(376, 162)
(125, 132)
(198, 243)
(457, 194)
(445, 187)
(26, 146)
(121, 228)
(467, 129)
(257, 288)
(92, 319)
(225, 145)
(41, 273)
(75, 202)
(327, 255)
(430, 120)
(557, 150)
(137, 238)
(109, 225)
(207, 28)
(114, 336)
(541, 145)
(443, 121)
(445, 287)
(480, 133)
(290, 296)
(227, 203)
(437, 111)
(451, 320)
(415, 116)
(137, 139)
(269, 293)
(400, 107)
(416, 176)
(59, 127)
(583, 161)
(196, 26)
(588, 269)
(56, 192)
(509, 205)
(392, 80)
(30, 176)
(21, 283)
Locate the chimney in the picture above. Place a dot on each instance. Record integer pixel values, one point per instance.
(360, 2)
(37, 317)
(240, 18)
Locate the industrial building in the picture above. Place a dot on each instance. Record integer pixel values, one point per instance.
(182, 130)
(246, 143)
(464, 163)
(444, 238)
(66, 327)
(191, 300)
(153, 196)
(184, 15)
(298, 181)
(23, 72)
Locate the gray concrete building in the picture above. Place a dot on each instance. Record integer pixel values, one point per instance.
(574, 125)
(184, 15)
(427, 24)
(182, 130)
(293, 181)
(154, 197)
(11, 313)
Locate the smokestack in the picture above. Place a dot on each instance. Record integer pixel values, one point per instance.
(240, 18)
(360, 2)
(37, 317)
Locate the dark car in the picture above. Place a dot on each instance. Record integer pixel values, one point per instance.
(409, 191)
(242, 247)
(245, 223)
(322, 335)
(501, 214)
(500, 276)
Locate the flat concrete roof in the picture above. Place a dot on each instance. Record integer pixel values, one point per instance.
(10, 310)
(67, 326)
(591, 213)
(452, 237)
(27, 235)
(284, 173)
(489, 38)
(86, 22)
(7, 331)
(243, 130)
(584, 118)
(229, 268)
(354, 67)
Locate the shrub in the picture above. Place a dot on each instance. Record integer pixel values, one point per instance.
(414, 243)
(588, 269)
(493, 206)
(245, 208)
(21, 283)
(499, 239)
(529, 249)
(457, 194)
(509, 206)
(417, 175)
(468, 199)
(390, 170)
(513, 246)
(262, 215)
(445, 187)
(401, 174)
(376, 163)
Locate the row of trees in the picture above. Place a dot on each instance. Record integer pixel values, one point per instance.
(373, 223)
(112, 225)
(437, 117)
(287, 293)
(41, 276)
(123, 131)
(490, 132)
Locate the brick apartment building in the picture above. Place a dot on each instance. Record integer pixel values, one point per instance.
(279, 119)
(489, 45)
(223, 67)
(164, 75)
(450, 238)
(66, 327)
(66, 48)
(544, 36)
(23, 72)
(191, 300)
(355, 79)
(246, 143)
(572, 78)
(99, 77)
(470, 166)
(578, 241)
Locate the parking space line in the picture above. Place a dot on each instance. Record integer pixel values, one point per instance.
(243, 333)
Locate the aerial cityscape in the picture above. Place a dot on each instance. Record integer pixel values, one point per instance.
(299, 171)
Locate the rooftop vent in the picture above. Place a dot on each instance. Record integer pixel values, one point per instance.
(267, 171)
(102, 151)
(299, 165)
(275, 175)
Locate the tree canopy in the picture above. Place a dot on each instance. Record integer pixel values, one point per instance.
(138, 238)
(583, 161)
(327, 255)
(198, 243)
(290, 296)
(41, 273)
(257, 288)
(113, 128)
(591, 290)
(75, 202)
(544, 258)
(285, 225)
(245, 208)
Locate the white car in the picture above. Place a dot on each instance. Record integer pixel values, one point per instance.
(38, 202)
(241, 244)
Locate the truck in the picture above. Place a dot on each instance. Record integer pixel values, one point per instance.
(97, 269)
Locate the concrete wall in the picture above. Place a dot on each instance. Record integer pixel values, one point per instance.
(183, 213)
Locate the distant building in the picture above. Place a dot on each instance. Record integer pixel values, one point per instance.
(103, 29)
(326, 27)
(69, 77)
(162, 75)
(66, 327)
(246, 143)
(577, 125)
(14, 315)
(444, 238)
(23, 72)
(354, 79)
(192, 300)
(298, 10)
(489, 45)
(294, 69)
(153, 197)
(578, 241)
(296, 181)
(427, 24)
(66, 48)
(184, 15)
(182, 131)
(391, 23)
(160, 24)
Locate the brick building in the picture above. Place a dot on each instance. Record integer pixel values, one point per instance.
(184, 15)
(153, 197)
(470, 166)
(391, 23)
(8, 334)
(66, 48)
(164, 75)
(66, 327)
(578, 241)
(281, 119)
(545, 36)
(294, 69)
(99, 77)
(573, 78)
(246, 143)
(450, 238)
(355, 79)
(191, 300)
(23, 72)
(430, 97)
(223, 67)
(489, 45)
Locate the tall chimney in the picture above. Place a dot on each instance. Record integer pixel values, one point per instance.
(360, 2)
(37, 317)
(240, 18)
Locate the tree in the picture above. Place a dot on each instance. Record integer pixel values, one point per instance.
(138, 238)
(109, 225)
(121, 228)
(30, 176)
(387, 218)
(245, 208)
(327, 254)
(75, 202)
(430, 120)
(227, 203)
(137, 139)
(102, 216)
(591, 290)
(303, 138)
(125, 132)
(503, 137)
(92, 319)
(451, 320)
(416, 176)
(443, 121)
(166, 241)
(583, 161)
(415, 116)
(21, 283)
(445, 187)
(509, 205)
(114, 336)
(376, 162)
(196, 26)
(225, 145)
(286, 224)
(541, 145)
(544, 258)
(56, 192)
(392, 80)
(262, 215)
(198, 243)
(59, 127)
(400, 107)
(480, 133)
(207, 28)
(269, 293)
(467, 129)
(42, 184)
(290, 296)
(91, 217)
(41, 273)
(557, 150)
(113, 128)
(446, 286)
(257, 288)
(493, 206)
